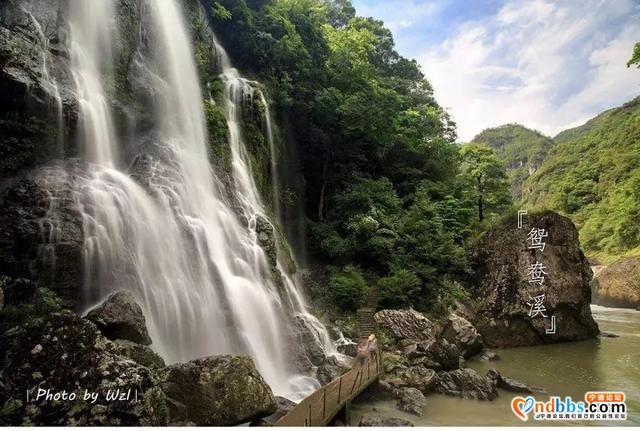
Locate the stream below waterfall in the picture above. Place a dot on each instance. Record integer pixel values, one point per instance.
(564, 369)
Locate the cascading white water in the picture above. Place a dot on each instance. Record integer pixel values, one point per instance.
(236, 90)
(167, 234)
(91, 26)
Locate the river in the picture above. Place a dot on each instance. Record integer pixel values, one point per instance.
(566, 369)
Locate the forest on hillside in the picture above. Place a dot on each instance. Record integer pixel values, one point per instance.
(590, 173)
(391, 198)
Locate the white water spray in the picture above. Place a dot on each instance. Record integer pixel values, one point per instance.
(167, 234)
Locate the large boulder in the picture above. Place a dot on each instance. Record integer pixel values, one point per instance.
(438, 354)
(406, 324)
(505, 294)
(120, 317)
(466, 383)
(460, 331)
(63, 352)
(411, 400)
(618, 284)
(217, 390)
(417, 376)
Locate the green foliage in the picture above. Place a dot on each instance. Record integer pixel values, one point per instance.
(593, 175)
(44, 302)
(216, 122)
(487, 178)
(220, 12)
(385, 198)
(399, 288)
(522, 150)
(348, 287)
(635, 57)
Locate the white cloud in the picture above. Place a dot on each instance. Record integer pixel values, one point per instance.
(548, 65)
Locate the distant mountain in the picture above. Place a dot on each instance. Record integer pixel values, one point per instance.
(592, 174)
(523, 150)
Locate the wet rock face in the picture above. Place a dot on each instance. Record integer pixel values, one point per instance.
(120, 317)
(504, 291)
(41, 232)
(218, 390)
(618, 285)
(466, 383)
(30, 37)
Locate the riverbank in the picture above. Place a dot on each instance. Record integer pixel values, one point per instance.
(565, 369)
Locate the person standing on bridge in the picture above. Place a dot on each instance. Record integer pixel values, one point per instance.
(372, 347)
(365, 349)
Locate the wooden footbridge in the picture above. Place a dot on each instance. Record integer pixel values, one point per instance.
(333, 401)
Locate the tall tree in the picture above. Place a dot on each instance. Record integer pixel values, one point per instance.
(487, 178)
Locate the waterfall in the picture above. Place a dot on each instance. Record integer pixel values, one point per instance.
(236, 90)
(162, 227)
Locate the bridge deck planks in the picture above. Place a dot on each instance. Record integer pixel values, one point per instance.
(319, 408)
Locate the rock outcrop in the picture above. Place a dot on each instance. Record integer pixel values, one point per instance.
(410, 400)
(466, 383)
(217, 390)
(63, 352)
(505, 293)
(120, 317)
(59, 356)
(459, 331)
(618, 284)
(406, 324)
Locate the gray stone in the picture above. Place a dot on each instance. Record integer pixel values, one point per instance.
(466, 383)
(461, 332)
(120, 317)
(329, 370)
(502, 262)
(507, 383)
(411, 400)
(618, 284)
(217, 391)
(488, 355)
(406, 324)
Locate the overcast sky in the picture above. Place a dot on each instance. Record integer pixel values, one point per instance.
(548, 65)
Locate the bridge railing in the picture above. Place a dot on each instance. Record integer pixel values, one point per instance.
(319, 408)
